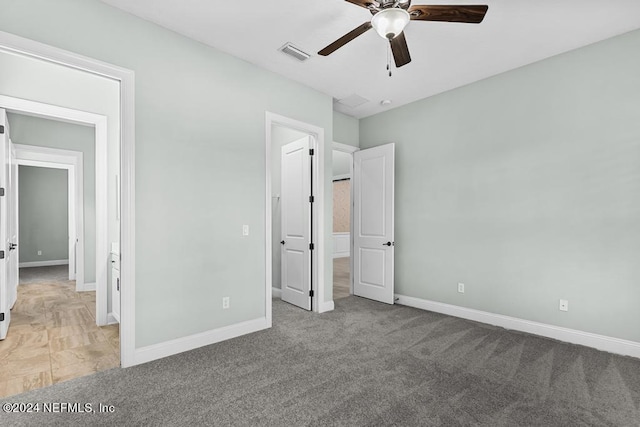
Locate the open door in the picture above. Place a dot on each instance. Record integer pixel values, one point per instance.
(295, 202)
(373, 223)
(8, 227)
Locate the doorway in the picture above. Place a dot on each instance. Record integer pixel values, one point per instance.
(304, 263)
(342, 156)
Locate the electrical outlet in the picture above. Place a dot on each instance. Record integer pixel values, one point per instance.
(225, 302)
(461, 288)
(245, 230)
(39, 253)
(564, 305)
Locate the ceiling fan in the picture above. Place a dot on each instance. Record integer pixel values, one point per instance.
(390, 17)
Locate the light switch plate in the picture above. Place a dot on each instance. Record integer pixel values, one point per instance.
(245, 230)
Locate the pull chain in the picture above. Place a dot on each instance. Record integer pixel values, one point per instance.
(389, 59)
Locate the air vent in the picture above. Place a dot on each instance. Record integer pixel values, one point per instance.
(295, 52)
(353, 101)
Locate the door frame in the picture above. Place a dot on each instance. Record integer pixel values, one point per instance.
(317, 208)
(349, 149)
(126, 79)
(72, 161)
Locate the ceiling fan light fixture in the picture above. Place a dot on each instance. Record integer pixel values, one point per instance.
(388, 23)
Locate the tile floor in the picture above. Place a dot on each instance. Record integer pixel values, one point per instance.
(53, 336)
(341, 270)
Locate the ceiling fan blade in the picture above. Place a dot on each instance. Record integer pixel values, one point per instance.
(365, 3)
(345, 39)
(400, 50)
(472, 14)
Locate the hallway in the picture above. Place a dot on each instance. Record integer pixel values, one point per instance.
(53, 335)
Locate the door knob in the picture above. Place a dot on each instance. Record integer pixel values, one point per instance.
(386, 244)
(282, 242)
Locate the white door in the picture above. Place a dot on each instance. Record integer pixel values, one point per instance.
(8, 228)
(295, 207)
(373, 223)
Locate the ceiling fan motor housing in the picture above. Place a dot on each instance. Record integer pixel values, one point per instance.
(386, 4)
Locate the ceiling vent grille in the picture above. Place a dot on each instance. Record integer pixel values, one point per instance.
(295, 52)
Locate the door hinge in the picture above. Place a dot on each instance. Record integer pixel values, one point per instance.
(311, 151)
(1, 192)
(311, 293)
(310, 199)
(1, 317)
(1, 254)
(1, 129)
(311, 246)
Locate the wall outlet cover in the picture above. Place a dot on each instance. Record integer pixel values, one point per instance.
(461, 288)
(564, 305)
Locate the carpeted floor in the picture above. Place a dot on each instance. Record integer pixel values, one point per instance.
(365, 363)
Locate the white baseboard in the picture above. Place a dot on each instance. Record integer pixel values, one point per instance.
(276, 292)
(342, 255)
(326, 306)
(600, 342)
(44, 263)
(180, 345)
(112, 319)
(87, 287)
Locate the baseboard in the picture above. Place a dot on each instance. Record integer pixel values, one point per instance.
(180, 345)
(326, 306)
(112, 319)
(341, 254)
(600, 342)
(276, 292)
(44, 263)
(87, 287)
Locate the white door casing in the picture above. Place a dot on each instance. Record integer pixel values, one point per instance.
(296, 222)
(373, 223)
(13, 224)
(9, 262)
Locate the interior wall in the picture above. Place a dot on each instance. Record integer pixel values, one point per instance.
(280, 136)
(28, 130)
(43, 214)
(525, 187)
(200, 160)
(346, 129)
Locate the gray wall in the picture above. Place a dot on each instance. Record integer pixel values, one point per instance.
(43, 214)
(341, 163)
(200, 160)
(29, 130)
(346, 129)
(525, 187)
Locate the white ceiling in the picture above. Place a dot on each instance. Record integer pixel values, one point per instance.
(444, 55)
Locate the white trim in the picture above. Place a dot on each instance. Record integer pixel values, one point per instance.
(126, 78)
(50, 263)
(317, 225)
(588, 339)
(112, 319)
(344, 147)
(72, 161)
(179, 345)
(89, 287)
(341, 177)
(327, 306)
(341, 236)
(276, 292)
